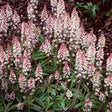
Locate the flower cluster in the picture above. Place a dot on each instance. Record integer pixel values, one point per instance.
(11, 96)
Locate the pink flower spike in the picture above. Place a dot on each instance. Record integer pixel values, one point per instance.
(109, 64)
(101, 96)
(60, 8)
(66, 70)
(31, 83)
(7, 96)
(2, 55)
(20, 106)
(44, 14)
(46, 47)
(69, 94)
(2, 13)
(22, 81)
(63, 52)
(16, 17)
(53, 3)
(108, 81)
(4, 24)
(8, 10)
(100, 54)
(26, 64)
(101, 41)
(87, 105)
(50, 76)
(57, 75)
(4, 84)
(39, 73)
(12, 95)
(16, 47)
(12, 76)
(91, 70)
(74, 13)
(26, 52)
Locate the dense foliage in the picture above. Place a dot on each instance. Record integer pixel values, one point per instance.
(55, 67)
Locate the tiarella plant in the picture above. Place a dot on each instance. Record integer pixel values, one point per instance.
(57, 67)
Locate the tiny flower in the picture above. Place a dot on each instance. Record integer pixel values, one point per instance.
(20, 106)
(69, 94)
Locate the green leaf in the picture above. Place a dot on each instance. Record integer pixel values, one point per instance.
(12, 107)
(79, 104)
(95, 106)
(39, 102)
(36, 107)
(19, 97)
(9, 104)
(53, 92)
(39, 57)
(103, 1)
